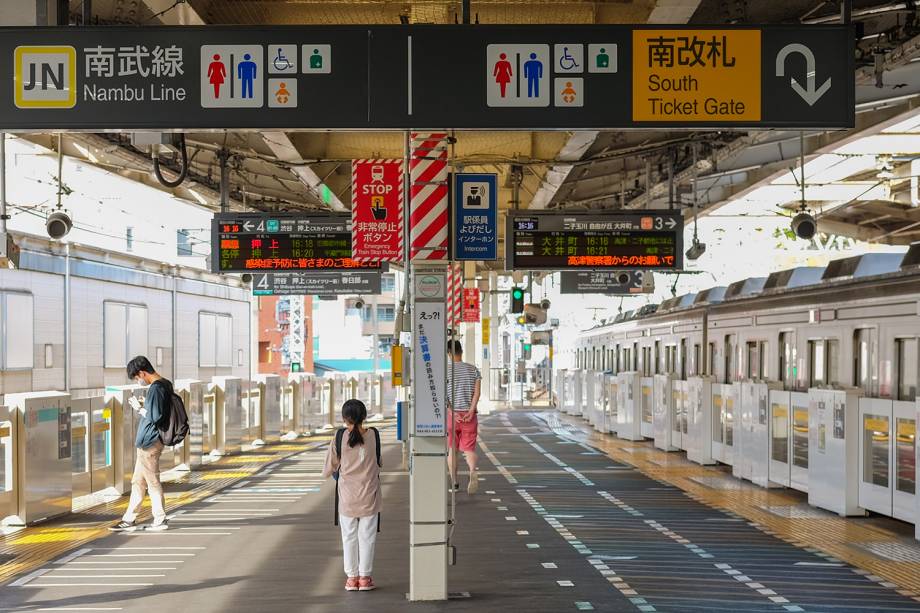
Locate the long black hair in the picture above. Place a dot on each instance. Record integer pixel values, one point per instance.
(355, 412)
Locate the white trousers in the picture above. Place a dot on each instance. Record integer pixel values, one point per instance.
(359, 536)
(147, 480)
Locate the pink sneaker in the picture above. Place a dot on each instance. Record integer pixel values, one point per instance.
(351, 585)
(366, 584)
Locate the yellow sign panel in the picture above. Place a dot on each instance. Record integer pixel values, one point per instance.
(875, 424)
(696, 75)
(486, 331)
(396, 365)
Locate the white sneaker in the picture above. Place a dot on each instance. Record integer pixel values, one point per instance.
(473, 487)
(158, 526)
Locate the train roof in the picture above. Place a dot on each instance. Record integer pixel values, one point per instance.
(862, 266)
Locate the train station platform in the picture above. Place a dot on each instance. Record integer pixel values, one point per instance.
(565, 520)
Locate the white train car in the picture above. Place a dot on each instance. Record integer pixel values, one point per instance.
(72, 316)
(765, 349)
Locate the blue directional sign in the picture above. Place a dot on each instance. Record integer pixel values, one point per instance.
(475, 216)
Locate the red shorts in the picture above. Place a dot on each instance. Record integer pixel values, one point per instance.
(466, 432)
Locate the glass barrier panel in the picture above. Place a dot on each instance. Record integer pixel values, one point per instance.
(718, 418)
(79, 452)
(875, 450)
(780, 442)
(6, 456)
(905, 457)
(800, 436)
(729, 420)
(102, 438)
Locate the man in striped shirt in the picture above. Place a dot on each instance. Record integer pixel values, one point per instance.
(463, 389)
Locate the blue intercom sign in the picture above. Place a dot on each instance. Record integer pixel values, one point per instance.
(475, 216)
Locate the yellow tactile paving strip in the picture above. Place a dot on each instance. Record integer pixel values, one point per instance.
(34, 546)
(831, 534)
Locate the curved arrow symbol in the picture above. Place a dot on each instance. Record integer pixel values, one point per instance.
(808, 93)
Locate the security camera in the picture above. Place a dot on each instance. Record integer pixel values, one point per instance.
(804, 225)
(359, 303)
(545, 304)
(696, 249)
(246, 278)
(58, 224)
(623, 278)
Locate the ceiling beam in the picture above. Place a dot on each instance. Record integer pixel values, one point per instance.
(173, 13)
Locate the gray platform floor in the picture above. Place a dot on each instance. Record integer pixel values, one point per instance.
(556, 527)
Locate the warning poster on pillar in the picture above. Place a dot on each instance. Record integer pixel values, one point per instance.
(698, 75)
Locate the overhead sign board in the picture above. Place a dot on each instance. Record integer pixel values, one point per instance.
(282, 242)
(475, 216)
(606, 282)
(652, 240)
(316, 283)
(378, 77)
(377, 210)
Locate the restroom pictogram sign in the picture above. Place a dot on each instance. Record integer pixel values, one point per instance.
(377, 210)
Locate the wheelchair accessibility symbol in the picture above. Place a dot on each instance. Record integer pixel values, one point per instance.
(569, 57)
(282, 59)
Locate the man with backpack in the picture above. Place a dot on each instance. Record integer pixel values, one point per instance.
(158, 417)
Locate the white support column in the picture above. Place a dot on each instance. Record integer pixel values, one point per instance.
(428, 444)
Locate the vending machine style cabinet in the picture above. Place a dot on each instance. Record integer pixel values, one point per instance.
(629, 406)
(271, 418)
(798, 470)
(44, 481)
(590, 397)
(780, 418)
(612, 384)
(678, 393)
(699, 420)
(663, 413)
(577, 393)
(833, 450)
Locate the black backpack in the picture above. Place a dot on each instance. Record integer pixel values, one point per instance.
(173, 425)
(339, 435)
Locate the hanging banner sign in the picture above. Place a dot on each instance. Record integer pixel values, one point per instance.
(429, 337)
(475, 214)
(471, 305)
(377, 205)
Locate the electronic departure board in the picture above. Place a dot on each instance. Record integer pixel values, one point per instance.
(282, 242)
(651, 240)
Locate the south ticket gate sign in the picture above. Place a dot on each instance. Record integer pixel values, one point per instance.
(379, 77)
(278, 242)
(594, 241)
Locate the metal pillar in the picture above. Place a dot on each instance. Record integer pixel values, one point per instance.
(428, 453)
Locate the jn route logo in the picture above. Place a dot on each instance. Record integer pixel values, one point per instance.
(45, 77)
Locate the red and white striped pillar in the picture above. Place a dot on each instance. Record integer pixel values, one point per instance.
(428, 218)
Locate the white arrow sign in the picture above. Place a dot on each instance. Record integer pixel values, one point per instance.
(808, 93)
(671, 223)
(247, 226)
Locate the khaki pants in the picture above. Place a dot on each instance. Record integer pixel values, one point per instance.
(147, 478)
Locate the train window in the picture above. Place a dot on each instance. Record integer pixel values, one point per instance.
(905, 457)
(670, 359)
(635, 357)
(787, 357)
(816, 364)
(124, 333)
(729, 359)
(214, 340)
(683, 359)
(832, 361)
(865, 364)
(603, 358)
(711, 371)
(756, 359)
(657, 357)
(647, 361)
(875, 449)
(18, 339)
(907, 368)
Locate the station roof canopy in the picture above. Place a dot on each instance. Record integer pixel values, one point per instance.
(862, 182)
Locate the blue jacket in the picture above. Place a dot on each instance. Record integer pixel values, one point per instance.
(157, 402)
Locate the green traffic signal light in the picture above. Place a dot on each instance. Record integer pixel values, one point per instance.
(526, 346)
(517, 300)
